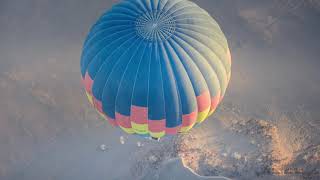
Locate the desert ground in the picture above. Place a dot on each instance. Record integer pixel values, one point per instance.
(267, 127)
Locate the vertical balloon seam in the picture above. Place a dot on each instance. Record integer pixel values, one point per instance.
(160, 134)
(118, 12)
(146, 57)
(213, 70)
(148, 94)
(178, 62)
(153, 123)
(167, 91)
(191, 63)
(216, 84)
(102, 52)
(118, 16)
(105, 88)
(172, 130)
(101, 32)
(157, 126)
(138, 128)
(139, 5)
(87, 60)
(175, 11)
(121, 120)
(163, 93)
(167, 10)
(205, 45)
(109, 24)
(228, 69)
(148, 5)
(118, 60)
(151, 5)
(126, 68)
(182, 25)
(129, 128)
(219, 44)
(132, 60)
(100, 26)
(124, 11)
(184, 13)
(187, 128)
(122, 8)
(203, 114)
(183, 113)
(92, 42)
(134, 4)
(164, 5)
(102, 67)
(160, 4)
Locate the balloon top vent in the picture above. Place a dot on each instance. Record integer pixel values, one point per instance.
(155, 26)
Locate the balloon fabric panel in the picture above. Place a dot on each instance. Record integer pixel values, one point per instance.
(155, 67)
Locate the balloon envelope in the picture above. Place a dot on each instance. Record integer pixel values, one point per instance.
(155, 67)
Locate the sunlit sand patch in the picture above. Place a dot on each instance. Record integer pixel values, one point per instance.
(241, 147)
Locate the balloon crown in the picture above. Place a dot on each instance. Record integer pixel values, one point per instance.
(155, 26)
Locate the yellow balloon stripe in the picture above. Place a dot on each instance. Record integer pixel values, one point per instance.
(186, 129)
(127, 130)
(90, 98)
(141, 129)
(104, 117)
(157, 134)
(203, 115)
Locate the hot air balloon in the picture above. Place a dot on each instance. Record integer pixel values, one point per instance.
(155, 67)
